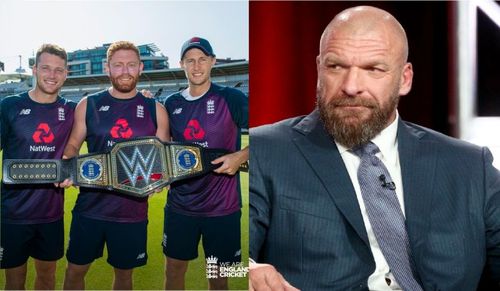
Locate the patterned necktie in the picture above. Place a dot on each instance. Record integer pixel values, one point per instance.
(385, 215)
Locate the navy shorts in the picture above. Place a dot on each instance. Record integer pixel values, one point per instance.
(221, 236)
(125, 242)
(42, 241)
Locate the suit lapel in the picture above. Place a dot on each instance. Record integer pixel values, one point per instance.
(325, 160)
(418, 163)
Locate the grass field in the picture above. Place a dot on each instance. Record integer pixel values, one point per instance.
(150, 276)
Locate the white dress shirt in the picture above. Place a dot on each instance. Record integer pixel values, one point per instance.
(388, 144)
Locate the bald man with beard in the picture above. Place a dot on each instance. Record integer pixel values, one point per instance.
(351, 197)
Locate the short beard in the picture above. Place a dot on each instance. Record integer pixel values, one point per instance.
(123, 88)
(351, 131)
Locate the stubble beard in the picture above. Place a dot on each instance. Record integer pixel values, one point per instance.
(195, 82)
(351, 130)
(41, 86)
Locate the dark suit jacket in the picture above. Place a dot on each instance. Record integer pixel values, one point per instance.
(305, 219)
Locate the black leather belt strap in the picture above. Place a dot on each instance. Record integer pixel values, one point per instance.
(135, 167)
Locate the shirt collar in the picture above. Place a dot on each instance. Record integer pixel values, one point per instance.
(185, 93)
(386, 141)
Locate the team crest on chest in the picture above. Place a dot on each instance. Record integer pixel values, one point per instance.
(210, 106)
(140, 111)
(60, 114)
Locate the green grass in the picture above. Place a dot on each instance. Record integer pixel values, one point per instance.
(150, 276)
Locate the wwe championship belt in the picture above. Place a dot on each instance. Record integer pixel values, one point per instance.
(135, 167)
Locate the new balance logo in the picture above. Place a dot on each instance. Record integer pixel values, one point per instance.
(141, 256)
(177, 111)
(104, 108)
(164, 241)
(25, 112)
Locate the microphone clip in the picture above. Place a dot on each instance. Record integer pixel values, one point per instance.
(390, 185)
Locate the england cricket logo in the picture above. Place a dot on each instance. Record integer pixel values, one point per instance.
(212, 268)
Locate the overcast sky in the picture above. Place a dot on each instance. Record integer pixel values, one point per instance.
(26, 24)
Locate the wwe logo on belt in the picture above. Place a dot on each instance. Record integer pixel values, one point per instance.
(138, 166)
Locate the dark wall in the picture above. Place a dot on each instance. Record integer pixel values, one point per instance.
(488, 62)
(284, 43)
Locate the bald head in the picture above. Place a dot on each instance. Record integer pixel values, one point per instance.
(366, 22)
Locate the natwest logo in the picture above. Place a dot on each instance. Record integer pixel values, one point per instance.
(194, 130)
(43, 134)
(121, 129)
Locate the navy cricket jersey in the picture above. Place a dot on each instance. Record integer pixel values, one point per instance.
(110, 120)
(213, 120)
(32, 130)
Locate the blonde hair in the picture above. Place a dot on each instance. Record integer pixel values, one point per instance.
(121, 45)
(52, 49)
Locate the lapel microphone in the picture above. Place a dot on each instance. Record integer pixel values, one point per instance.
(385, 184)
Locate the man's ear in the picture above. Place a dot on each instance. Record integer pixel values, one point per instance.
(406, 79)
(106, 68)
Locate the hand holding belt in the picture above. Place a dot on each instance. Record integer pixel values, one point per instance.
(135, 167)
